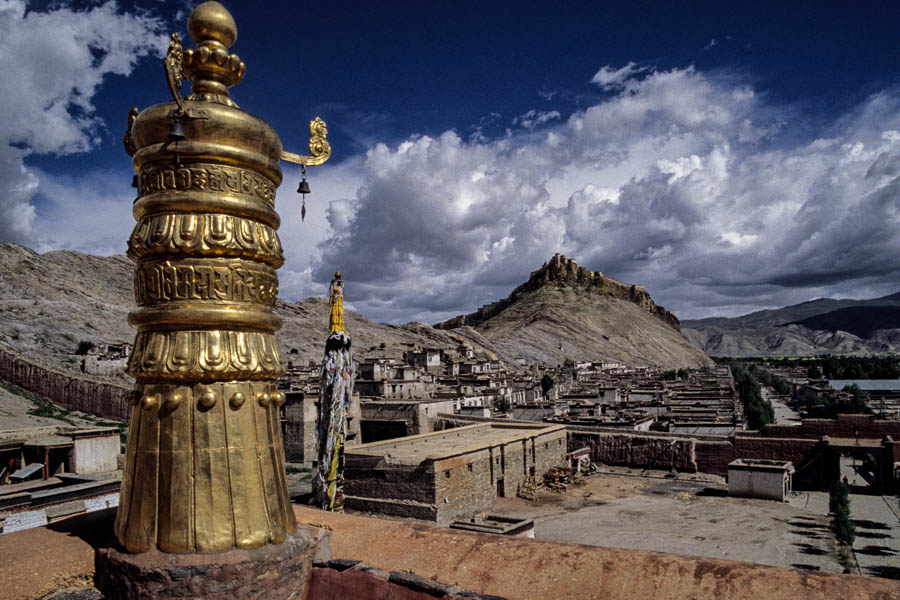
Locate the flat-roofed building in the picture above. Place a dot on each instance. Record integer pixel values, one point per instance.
(452, 474)
(758, 478)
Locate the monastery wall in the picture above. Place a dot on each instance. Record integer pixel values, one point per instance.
(714, 456)
(642, 451)
(73, 392)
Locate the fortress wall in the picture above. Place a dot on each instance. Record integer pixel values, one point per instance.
(714, 456)
(636, 450)
(73, 392)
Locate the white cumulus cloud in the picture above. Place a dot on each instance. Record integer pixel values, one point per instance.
(688, 183)
(52, 64)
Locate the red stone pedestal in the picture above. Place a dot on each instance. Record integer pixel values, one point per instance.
(272, 572)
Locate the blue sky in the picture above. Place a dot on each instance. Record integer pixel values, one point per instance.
(728, 157)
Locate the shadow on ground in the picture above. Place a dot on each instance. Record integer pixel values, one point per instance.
(884, 571)
(876, 551)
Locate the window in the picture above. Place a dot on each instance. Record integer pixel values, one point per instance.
(469, 466)
(447, 474)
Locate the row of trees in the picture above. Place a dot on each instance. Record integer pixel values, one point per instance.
(827, 407)
(834, 367)
(757, 410)
(776, 382)
(854, 367)
(823, 406)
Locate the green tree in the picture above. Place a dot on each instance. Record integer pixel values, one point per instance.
(84, 346)
(758, 411)
(547, 384)
(839, 505)
(813, 372)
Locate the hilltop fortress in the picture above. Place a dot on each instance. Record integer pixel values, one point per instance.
(565, 272)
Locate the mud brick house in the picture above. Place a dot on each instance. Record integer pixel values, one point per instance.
(452, 474)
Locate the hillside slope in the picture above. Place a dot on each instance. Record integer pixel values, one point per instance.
(50, 302)
(565, 311)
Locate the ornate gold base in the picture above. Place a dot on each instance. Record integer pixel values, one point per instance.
(204, 469)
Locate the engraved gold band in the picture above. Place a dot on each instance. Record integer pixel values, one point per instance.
(205, 235)
(214, 355)
(198, 317)
(202, 280)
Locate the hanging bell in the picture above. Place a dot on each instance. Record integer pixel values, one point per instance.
(176, 133)
(304, 186)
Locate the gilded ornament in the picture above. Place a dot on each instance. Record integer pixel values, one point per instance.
(207, 400)
(203, 474)
(237, 400)
(319, 148)
(149, 402)
(174, 74)
(127, 140)
(336, 304)
(174, 401)
(205, 235)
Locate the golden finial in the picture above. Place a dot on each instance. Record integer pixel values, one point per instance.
(209, 66)
(212, 21)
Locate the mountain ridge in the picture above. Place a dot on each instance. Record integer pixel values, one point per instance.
(567, 312)
(820, 326)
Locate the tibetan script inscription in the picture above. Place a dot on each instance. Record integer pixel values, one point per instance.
(236, 281)
(208, 178)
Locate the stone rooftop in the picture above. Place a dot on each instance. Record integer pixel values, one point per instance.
(451, 442)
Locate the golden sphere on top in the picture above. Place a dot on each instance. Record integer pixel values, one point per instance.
(212, 21)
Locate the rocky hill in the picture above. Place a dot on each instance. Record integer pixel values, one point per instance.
(815, 327)
(565, 311)
(51, 302)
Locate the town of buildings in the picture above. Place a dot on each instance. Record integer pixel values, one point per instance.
(438, 435)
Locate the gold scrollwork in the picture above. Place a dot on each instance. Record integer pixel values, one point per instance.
(127, 140)
(319, 148)
(204, 356)
(174, 70)
(216, 281)
(208, 178)
(205, 235)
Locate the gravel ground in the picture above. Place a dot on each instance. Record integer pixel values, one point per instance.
(684, 515)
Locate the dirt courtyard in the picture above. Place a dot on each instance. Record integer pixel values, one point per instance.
(687, 514)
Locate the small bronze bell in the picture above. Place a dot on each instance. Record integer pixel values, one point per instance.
(304, 190)
(176, 133)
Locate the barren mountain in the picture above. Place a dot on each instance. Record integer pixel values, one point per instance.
(51, 302)
(816, 327)
(565, 311)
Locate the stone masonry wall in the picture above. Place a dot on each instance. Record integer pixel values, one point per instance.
(73, 392)
(714, 456)
(374, 484)
(637, 450)
(468, 483)
(464, 485)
